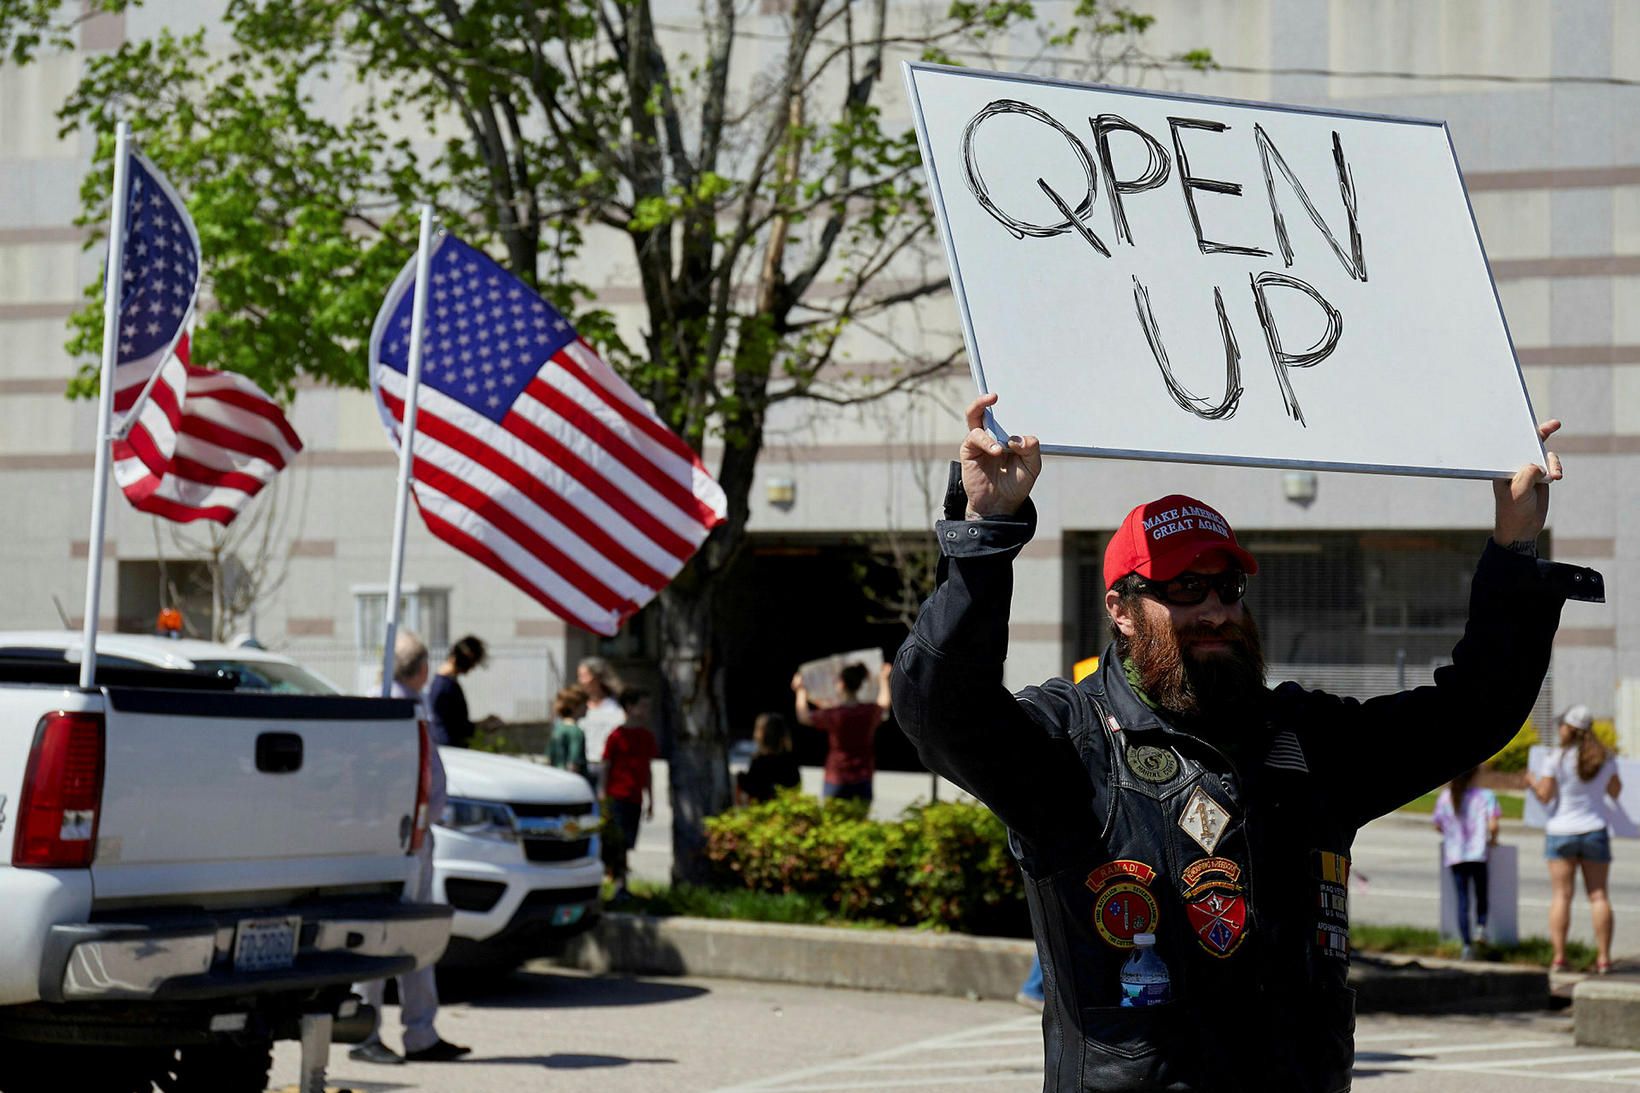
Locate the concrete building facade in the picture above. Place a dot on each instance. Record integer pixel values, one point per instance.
(1362, 579)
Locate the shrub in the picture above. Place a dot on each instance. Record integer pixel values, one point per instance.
(1605, 730)
(1511, 759)
(942, 865)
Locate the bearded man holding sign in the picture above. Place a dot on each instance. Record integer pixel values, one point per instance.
(1184, 829)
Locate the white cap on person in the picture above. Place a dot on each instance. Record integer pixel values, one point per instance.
(1578, 717)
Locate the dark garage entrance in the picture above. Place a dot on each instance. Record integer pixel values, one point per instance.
(795, 599)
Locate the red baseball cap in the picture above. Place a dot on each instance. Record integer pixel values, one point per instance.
(1160, 540)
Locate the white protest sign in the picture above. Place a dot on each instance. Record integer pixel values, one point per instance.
(1620, 814)
(1160, 276)
(820, 676)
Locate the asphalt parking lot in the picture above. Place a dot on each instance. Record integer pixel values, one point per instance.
(568, 1032)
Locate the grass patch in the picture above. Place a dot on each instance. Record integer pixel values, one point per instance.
(732, 903)
(1513, 806)
(1412, 941)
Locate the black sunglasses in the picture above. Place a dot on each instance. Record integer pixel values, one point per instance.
(1189, 589)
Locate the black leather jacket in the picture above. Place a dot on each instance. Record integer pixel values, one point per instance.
(1230, 844)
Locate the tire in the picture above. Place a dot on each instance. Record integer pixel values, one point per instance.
(217, 1068)
(55, 1068)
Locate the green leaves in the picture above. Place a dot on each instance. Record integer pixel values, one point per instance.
(942, 866)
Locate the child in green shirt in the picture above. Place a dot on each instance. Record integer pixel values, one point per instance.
(567, 749)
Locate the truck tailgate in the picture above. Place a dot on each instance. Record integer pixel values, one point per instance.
(273, 791)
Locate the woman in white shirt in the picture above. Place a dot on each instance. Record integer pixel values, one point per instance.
(1581, 774)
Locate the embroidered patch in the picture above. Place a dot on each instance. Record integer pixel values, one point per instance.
(1332, 868)
(1195, 871)
(1122, 910)
(1124, 906)
(1332, 903)
(1152, 764)
(1122, 867)
(1204, 819)
(1216, 905)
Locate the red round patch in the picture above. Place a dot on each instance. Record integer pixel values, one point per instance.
(1122, 910)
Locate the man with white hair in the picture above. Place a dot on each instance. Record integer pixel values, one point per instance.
(418, 990)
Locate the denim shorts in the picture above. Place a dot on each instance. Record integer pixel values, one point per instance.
(1595, 846)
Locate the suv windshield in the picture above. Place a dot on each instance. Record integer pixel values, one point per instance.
(270, 676)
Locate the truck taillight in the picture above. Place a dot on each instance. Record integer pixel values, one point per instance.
(424, 791)
(62, 795)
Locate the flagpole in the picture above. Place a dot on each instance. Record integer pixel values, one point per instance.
(407, 439)
(105, 398)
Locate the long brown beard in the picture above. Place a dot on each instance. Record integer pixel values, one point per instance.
(1190, 685)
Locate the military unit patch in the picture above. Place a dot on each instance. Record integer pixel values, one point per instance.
(1152, 764)
(1124, 906)
(1204, 820)
(1215, 904)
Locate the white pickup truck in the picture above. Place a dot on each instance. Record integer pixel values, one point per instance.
(516, 852)
(188, 872)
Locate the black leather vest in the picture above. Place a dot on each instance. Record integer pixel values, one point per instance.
(1240, 870)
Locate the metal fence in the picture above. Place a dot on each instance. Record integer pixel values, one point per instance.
(517, 682)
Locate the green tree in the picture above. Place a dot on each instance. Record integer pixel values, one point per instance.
(766, 207)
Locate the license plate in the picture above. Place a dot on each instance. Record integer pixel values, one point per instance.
(264, 944)
(568, 915)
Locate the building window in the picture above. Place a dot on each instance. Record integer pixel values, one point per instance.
(426, 611)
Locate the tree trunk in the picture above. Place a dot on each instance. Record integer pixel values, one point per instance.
(699, 768)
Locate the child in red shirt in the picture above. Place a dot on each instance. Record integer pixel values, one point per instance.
(627, 787)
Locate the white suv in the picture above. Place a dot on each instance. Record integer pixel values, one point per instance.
(516, 853)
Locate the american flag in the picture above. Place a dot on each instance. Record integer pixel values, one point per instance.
(531, 455)
(160, 281)
(197, 444)
(204, 443)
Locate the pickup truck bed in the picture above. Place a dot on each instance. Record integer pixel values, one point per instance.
(240, 862)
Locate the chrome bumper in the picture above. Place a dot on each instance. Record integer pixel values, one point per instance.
(190, 956)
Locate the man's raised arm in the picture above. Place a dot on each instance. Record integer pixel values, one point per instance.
(948, 692)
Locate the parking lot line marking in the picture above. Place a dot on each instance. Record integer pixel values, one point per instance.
(1392, 1037)
(1009, 1041)
(782, 1081)
(944, 1081)
(1543, 1060)
(1485, 1045)
(1016, 1061)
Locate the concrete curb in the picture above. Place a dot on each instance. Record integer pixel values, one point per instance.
(1606, 1013)
(918, 962)
(911, 961)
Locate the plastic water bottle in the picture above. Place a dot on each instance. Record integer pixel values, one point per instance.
(1145, 980)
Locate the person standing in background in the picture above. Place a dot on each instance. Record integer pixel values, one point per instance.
(447, 702)
(1580, 773)
(773, 767)
(1467, 818)
(418, 991)
(627, 786)
(603, 687)
(567, 749)
(850, 728)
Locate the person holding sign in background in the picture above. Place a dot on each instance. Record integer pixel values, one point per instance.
(1184, 830)
(1576, 836)
(850, 728)
(1467, 815)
